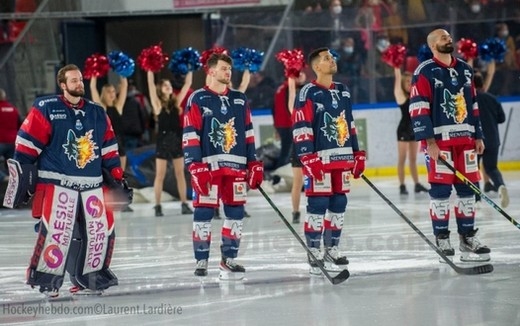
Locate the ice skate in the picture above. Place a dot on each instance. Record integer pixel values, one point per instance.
(49, 292)
(471, 250)
(202, 268)
(229, 270)
(78, 290)
(314, 269)
(443, 243)
(333, 260)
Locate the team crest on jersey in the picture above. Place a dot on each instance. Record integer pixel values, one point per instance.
(454, 106)
(80, 149)
(336, 128)
(223, 134)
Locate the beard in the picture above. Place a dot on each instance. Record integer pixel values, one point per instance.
(78, 92)
(224, 81)
(447, 48)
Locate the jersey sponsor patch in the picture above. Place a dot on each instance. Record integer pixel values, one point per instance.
(96, 225)
(470, 161)
(58, 217)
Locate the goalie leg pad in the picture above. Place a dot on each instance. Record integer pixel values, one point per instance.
(47, 265)
(94, 280)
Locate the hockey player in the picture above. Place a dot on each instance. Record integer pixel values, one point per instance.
(62, 148)
(219, 151)
(326, 142)
(445, 118)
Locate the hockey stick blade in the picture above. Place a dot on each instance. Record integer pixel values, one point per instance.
(481, 269)
(340, 278)
(477, 191)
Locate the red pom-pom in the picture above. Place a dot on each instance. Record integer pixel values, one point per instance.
(96, 66)
(467, 48)
(152, 58)
(207, 53)
(394, 55)
(293, 61)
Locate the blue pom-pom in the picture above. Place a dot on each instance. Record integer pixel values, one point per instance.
(335, 54)
(184, 60)
(424, 53)
(247, 59)
(121, 63)
(492, 49)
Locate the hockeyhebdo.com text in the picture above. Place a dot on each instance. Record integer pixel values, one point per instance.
(54, 308)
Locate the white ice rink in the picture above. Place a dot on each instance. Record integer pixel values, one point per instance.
(396, 278)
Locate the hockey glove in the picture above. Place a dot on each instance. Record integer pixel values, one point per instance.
(22, 183)
(359, 164)
(200, 177)
(119, 195)
(255, 174)
(312, 166)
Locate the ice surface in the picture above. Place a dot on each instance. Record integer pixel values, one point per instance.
(396, 278)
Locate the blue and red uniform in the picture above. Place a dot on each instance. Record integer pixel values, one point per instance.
(443, 107)
(218, 132)
(323, 124)
(70, 145)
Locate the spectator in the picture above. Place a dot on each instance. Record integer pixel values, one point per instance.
(10, 121)
(351, 65)
(491, 114)
(135, 121)
(507, 70)
(261, 91)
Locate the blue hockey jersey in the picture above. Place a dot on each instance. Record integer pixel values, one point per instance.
(323, 123)
(443, 103)
(70, 145)
(218, 130)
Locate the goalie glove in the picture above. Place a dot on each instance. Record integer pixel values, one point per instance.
(312, 166)
(200, 177)
(22, 183)
(119, 194)
(255, 174)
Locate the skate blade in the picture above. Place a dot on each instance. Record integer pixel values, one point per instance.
(51, 295)
(333, 268)
(76, 291)
(315, 271)
(474, 258)
(231, 276)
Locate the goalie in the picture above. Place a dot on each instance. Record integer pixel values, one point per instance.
(63, 148)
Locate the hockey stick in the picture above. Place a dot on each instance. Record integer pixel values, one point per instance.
(477, 191)
(482, 269)
(341, 277)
